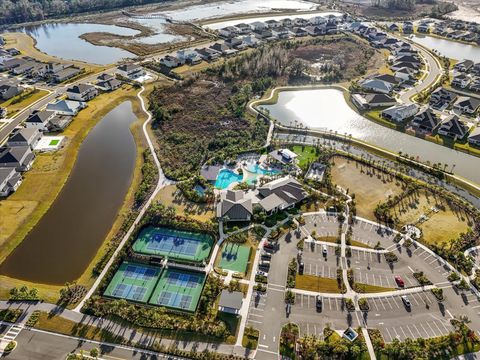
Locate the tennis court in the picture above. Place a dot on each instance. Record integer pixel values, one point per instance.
(174, 244)
(179, 289)
(133, 282)
(234, 257)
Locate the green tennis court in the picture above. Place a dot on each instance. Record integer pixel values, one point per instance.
(54, 142)
(178, 289)
(174, 244)
(133, 282)
(234, 257)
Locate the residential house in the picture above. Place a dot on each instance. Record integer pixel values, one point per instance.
(272, 24)
(234, 206)
(13, 51)
(461, 81)
(40, 120)
(316, 30)
(223, 49)
(441, 98)
(426, 120)
(189, 56)
(8, 91)
(258, 26)
(407, 27)
(210, 172)
(131, 71)
(405, 74)
(379, 83)
(401, 65)
(453, 127)
(470, 37)
(298, 32)
(300, 22)
(230, 301)
(371, 101)
(389, 43)
(8, 65)
(10, 180)
(400, 113)
(318, 20)
(109, 85)
(236, 43)
(287, 22)
(464, 65)
(229, 31)
(251, 41)
(105, 77)
(243, 29)
(281, 33)
(66, 74)
(66, 107)
(2, 41)
(24, 69)
(423, 28)
(474, 137)
(82, 92)
(18, 157)
(331, 28)
(393, 27)
(475, 84)
(3, 112)
(467, 104)
(281, 194)
(208, 54)
(24, 137)
(170, 61)
(264, 34)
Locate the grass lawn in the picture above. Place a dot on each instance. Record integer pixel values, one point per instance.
(61, 325)
(369, 188)
(232, 322)
(330, 239)
(359, 244)
(234, 257)
(440, 227)
(306, 155)
(23, 209)
(171, 196)
(366, 288)
(54, 142)
(21, 101)
(317, 283)
(250, 341)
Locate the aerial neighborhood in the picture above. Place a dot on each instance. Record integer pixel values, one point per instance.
(239, 180)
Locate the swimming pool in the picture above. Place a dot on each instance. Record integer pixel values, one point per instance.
(227, 177)
(256, 169)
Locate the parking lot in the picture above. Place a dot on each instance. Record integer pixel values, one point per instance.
(370, 234)
(318, 264)
(322, 224)
(256, 309)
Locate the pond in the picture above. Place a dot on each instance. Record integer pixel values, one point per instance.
(327, 109)
(451, 49)
(62, 244)
(62, 40)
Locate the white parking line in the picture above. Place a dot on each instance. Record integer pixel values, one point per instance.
(404, 334)
(411, 333)
(426, 333)
(395, 302)
(433, 331)
(440, 331)
(446, 329)
(389, 335)
(388, 301)
(396, 333)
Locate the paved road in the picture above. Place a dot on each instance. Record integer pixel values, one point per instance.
(434, 69)
(35, 345)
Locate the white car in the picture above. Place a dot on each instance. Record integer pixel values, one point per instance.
(262, 273)
(406, 301)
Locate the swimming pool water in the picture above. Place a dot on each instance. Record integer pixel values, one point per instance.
(225, 178)
(256, 169)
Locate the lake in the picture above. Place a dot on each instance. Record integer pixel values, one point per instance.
(62, 40)
(451, 49)
(62, 244)
(327, 109)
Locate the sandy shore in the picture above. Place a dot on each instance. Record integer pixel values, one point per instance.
(466, 11)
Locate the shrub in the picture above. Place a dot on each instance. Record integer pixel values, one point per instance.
(24, 294)
(391, 257)
(363, 304)
(349, 304)
(453, 276)
(421, 278)
(32, 320)
(10, 346)
(10, 315)
(289, 297)
(438, 294)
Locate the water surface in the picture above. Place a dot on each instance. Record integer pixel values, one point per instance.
(449, 48)
(326, 109)
(62, 40)
(65, 240)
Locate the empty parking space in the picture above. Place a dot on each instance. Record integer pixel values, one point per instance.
(322, 224)
(372, 234)
(424, 327)
(256, 309)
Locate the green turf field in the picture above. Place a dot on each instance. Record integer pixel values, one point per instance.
(174, 244)
(54, 142)
(178, 289)
(133, 282)
(234, 257)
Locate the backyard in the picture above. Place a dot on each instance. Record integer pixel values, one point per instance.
(369, 186)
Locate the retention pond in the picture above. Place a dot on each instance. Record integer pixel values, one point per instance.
(68, 236)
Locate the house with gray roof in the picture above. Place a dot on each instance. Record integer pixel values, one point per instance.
(8, 91)
(210, 172)
(234, 206)
(24, 137)
(18, 157)
(66, 74)
(474, 137)
(400, 112)
(230, 302)
(281, 194)
(467, 104)
(10, 180)
(425, 120)
(40, 120)
(82, 92)
(453, 127)
(66, 107)
(371, 101)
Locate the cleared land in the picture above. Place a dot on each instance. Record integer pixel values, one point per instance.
(171, 196)
(370, 187)
(441, 226)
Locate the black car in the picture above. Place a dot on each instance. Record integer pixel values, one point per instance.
(319, 302)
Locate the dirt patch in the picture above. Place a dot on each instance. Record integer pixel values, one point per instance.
(370, 186)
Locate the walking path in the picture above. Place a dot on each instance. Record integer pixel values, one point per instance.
(162, 181)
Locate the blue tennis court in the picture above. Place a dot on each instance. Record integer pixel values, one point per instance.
(173, 244)
(183, 280)
(129, 292)
(140, 272)
(170, 299)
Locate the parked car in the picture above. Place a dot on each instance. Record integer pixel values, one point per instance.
(319, 303)
(406, 302)
(301, 268)
(324, 250)
(262, 273)
(399, 281)
(266, 255)
(264, 265)
(269, 245)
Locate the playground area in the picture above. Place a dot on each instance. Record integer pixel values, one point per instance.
(133, 282)
(234, 257)
(174, 244)
(178, 289)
